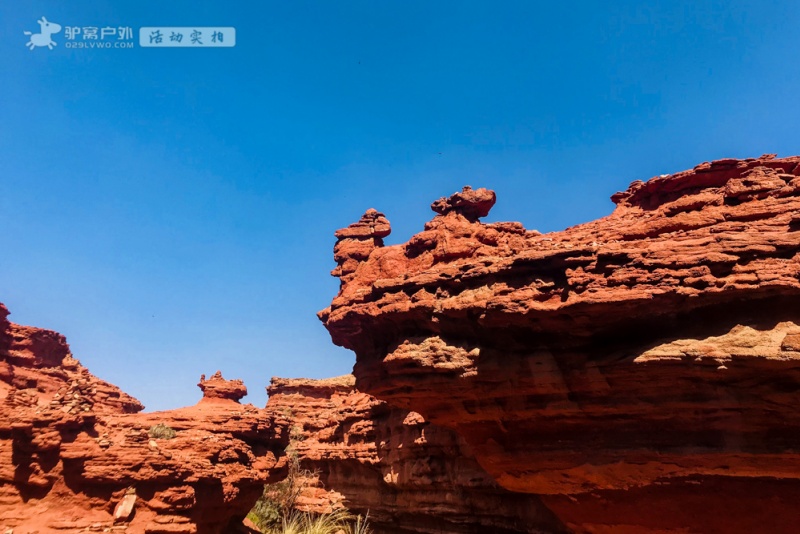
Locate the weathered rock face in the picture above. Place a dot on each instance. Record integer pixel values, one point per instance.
(74, 455)
(409, 475)
(639, 372)
(35, 364)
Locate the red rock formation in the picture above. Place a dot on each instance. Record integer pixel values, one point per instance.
(408, 475)
(74, 455)
(639, 371)
(36, 365)
(357, 241)
(217, 388)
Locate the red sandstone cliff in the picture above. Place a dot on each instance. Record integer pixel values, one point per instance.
(75, 455)
(639, 372)
(408, 475)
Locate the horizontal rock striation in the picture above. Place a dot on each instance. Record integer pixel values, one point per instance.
(76, 456)
(408, 475)
(639, 372)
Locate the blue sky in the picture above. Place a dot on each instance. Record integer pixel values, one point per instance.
(171, 211)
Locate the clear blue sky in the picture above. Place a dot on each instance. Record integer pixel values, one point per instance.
(172, 211)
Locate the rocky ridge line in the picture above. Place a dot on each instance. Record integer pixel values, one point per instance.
(75, 456)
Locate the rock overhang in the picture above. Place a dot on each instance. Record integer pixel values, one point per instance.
(606, 357)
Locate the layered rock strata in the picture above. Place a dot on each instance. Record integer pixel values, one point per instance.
(639, 372)
(392, 464)
(76, 456)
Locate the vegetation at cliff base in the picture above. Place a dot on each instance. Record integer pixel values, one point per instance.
(336, 522)
(276, 513)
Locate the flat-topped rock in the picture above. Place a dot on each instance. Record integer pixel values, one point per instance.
(217, 388)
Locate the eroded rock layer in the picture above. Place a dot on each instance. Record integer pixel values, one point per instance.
(408, 475)
(76, 456)
(640, 371)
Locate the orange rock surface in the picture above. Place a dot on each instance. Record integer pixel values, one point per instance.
(75, 456)
(638, 372)
(407, 474)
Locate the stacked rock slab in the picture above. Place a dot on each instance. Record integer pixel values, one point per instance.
(639, 372)
(75, 456)
(409, 476)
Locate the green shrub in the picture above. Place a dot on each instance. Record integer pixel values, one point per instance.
(277, 501)
(332, 523)
(275, 513)
(306, 523)
(161, 431)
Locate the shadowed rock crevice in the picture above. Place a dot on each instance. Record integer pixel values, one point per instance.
(409, 475)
